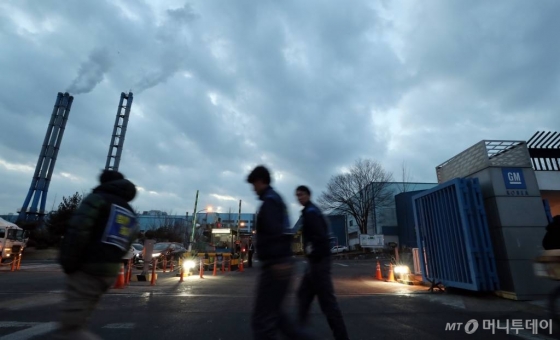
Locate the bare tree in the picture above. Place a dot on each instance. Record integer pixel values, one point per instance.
(359, 193)
(404, 186)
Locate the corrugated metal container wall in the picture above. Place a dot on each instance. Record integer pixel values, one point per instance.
(405, 219)
(390, 231)
(337, 224)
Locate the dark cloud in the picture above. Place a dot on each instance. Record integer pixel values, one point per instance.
(304, 87)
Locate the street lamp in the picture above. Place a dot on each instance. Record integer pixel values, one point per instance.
(209, 209)
(194, 225)
(242, 224)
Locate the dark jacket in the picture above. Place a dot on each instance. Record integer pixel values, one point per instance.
(274, 235)
(551, 239)
(101, 230)
(315, 232)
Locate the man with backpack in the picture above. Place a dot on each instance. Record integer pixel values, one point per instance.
(97, 236)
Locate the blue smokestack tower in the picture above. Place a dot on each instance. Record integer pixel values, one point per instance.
(47, 158)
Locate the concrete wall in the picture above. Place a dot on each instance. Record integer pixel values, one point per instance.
(517, 222)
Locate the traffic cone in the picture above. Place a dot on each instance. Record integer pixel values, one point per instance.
(240, 264)
(391, 277)
(120, 279)
(128, 274)
(214, 273)
(378, 275)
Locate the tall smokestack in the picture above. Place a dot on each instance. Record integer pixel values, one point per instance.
(119, 132)
(47, 159)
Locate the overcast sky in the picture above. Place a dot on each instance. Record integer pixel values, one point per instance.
(304, 87)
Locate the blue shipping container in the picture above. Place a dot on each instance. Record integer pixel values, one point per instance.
(453, 236)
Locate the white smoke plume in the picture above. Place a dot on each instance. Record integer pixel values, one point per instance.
(174, 35)
(91, 72)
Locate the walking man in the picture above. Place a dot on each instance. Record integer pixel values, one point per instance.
(274, 246)
(317, 278)
(97, 236)
(250, 251)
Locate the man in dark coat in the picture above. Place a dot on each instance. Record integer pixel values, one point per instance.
(274, 246)
(317, 279)
(250, 252)
(97, 236)
(551, 239)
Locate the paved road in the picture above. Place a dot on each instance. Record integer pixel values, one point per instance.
(219, 307)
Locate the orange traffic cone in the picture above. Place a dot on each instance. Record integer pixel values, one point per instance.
(120, 279)
(215, 267)
(378, 275)
(391, 277)
(241, 264)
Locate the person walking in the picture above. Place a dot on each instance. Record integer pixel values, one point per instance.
(317, 279)
(551, 238)
(97, 236)
(250, 251)
(274, 246)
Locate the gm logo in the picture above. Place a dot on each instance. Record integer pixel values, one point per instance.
(513, 178)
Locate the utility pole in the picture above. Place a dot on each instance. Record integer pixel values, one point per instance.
(238, 220)
(193, 222)
(185, 239)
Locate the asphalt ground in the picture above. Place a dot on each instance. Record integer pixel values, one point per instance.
(219, 307)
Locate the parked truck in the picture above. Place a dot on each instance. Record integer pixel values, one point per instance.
(13, 240)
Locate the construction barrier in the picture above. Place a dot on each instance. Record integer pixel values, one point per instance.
(416, 261)
(378, 275)
(154, 275)
(226, 259)
(15, 264)
(391, 276)
(120, 282)
(128, 274)
(181, 269)
(211, 261)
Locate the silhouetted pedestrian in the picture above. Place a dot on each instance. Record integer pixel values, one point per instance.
(250, 251)
(317, 279)
(274, 246)
(98, 235)
(551, 239)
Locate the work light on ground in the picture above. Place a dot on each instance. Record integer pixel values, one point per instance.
(402, 271)
(188, 265)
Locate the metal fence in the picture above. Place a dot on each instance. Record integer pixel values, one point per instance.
(453, 235)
